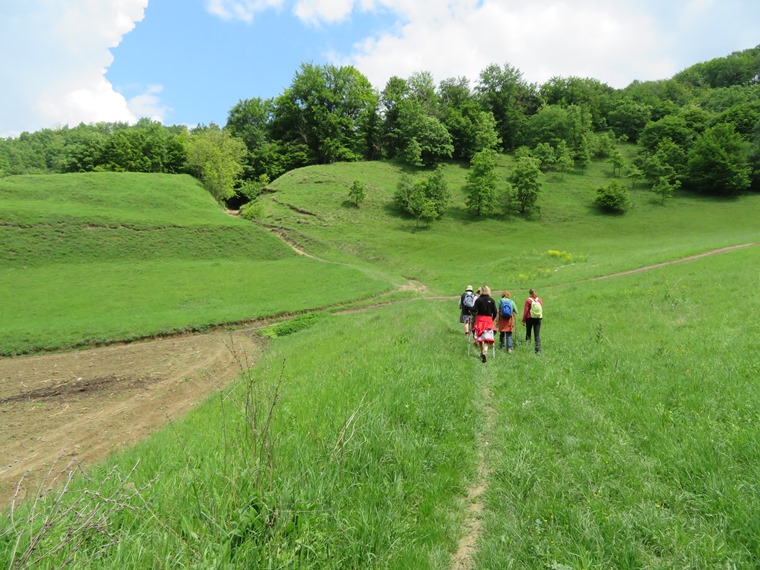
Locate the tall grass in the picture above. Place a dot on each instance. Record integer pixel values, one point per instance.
(630, 443)
(371, 440)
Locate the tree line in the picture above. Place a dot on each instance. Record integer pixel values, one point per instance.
(700, 130)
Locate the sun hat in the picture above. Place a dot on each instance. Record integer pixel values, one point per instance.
(469, 288)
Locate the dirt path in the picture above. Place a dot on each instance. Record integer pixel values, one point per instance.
(81, 405)
(674, 261)
(472, 527)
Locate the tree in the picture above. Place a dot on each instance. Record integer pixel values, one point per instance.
(503, 92)
(327, 110)
(664, 187)
(423, 138)
(672, 127)
(552, 124)
(545, 154)
(613, 198)
(564, 160)
(424, 198)
(480, 189)
(471, 128)
(526, 181)
(628, 117)
(719, 162)
(587, 93)
(357, 193)
(633, 172)
(216, 158)
(396, 90)
(618, 163)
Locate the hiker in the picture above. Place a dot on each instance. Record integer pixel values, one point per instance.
(485, 313)
(507, 312)
(466, 303)
(532, 316)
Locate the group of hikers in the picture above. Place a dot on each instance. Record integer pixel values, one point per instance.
(482, 316)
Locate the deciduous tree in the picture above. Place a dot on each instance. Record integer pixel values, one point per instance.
(526, 181)
(718, 162)
(216, 158)
(480, 190)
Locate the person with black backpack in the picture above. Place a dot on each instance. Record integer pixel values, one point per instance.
(507, 312)
(485, 313)
(466, 303)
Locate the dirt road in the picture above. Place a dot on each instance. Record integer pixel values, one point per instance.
(84, 404)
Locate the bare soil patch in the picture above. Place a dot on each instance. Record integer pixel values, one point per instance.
(82, 405)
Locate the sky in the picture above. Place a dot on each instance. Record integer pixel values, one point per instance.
(187, 62)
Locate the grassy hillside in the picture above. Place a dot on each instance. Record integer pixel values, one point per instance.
(312, 204)
(103, 256)
(86, 218)
(629, 443)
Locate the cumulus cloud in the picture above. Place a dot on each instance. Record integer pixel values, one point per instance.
(148, 104)
(614, 42)
(317, 11)
(56, 56)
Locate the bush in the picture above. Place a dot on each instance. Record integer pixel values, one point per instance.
(613, 198)
(252, 211)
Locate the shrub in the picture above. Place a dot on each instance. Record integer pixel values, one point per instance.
(357, 193)
(252, 211)
(613, 198)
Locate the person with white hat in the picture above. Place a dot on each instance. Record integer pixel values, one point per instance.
(466, 303)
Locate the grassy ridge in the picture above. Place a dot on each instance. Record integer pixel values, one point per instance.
(101, 257)
(312, 203)
(104, 217)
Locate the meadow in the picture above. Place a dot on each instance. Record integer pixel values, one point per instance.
(102, 257)
(630, 442)
(503, 251)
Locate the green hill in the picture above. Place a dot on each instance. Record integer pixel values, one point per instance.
(89, 258)
(570, 240)
(83, 218)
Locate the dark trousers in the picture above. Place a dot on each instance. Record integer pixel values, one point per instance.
(534, 325)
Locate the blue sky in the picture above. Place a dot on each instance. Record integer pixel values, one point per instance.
(189, 61)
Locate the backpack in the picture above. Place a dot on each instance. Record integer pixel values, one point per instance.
(469, 300)
(506, 308)
(536, 310)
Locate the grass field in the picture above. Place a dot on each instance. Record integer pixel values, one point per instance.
(101, 257)
(630, 442)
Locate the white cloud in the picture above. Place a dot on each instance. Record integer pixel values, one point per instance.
(243, 10)
(316, 11)
(614, 42)
(57, 54)
(148, 104)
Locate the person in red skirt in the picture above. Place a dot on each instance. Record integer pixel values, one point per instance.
(485, 313)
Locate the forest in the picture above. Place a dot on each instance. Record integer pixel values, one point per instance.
(699, 130)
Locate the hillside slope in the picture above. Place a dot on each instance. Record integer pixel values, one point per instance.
(102, 257)
(566, 240)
